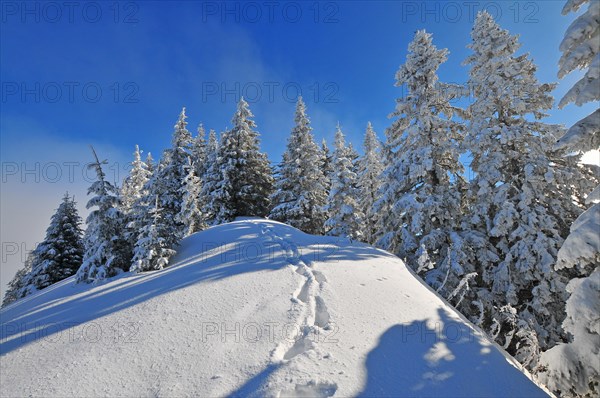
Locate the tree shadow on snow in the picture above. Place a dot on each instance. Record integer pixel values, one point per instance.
(445, 358)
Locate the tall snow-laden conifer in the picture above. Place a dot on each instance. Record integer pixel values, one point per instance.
(104, 239)
(421, 198)
(521, 205)
(369, 182)
(210, 179)
(245, 182)
(572, 369)
(345, 215)
(301, 190)
(168, 180)
(199, 152)
(133, 191)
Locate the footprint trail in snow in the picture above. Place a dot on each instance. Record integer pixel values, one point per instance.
(313, 316)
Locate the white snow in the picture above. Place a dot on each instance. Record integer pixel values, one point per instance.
(253, 308)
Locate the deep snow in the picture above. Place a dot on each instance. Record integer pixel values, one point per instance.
(253, 308)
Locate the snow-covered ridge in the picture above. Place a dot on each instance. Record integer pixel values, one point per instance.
(253, 308)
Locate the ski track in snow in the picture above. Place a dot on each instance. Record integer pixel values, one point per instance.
(313, 319)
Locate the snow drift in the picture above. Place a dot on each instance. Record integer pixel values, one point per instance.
(253, 308)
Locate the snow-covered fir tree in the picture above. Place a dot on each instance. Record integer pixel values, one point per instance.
(60, 254)
(210, 179)
(245, 180)
(421, 197)
(149, 163)
(105, 245)
(580, 49)
(132, 192)
(369, 182)
(345, 215)
(191, 210)
(519, 211)
(572, 369)
(19, 283)
(153, 248)
(199, 152)
(301, 189)
(168, 180)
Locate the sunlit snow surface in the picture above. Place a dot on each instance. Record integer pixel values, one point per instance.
(252, 308)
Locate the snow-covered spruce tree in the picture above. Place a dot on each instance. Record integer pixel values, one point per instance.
(199, 152)
(345, 215)
(245, 182)
(191, 214)
(573, 368)
(518, 205)
(132, 192)
(152, 249)
(301, 189)
(104, 239)
(60, 254)
(19, 284)
(421, 199)
(168, 180)
(149, 164)
(210, 179)
(369, 175)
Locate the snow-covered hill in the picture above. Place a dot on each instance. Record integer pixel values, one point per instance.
(253, 308)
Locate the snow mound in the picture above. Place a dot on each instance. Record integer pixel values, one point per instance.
(253, 308)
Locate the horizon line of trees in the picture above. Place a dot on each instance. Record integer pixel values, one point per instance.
(515, 249)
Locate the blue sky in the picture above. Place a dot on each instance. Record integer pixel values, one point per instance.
(117, 74)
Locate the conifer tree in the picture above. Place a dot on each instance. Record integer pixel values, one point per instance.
(519, 208)
(191, 214)
(210, 179)
(60, 254)
(572, 369)
(152, 250)
(245, 181)
(421, 202)
(17, 287)
(345, 216)
(104, 239)
(369, 182)
(132, 192)
(301, 189)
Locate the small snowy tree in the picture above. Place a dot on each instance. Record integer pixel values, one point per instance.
(301, 189)
(104, 239)
(345, 215)
(60, 254)
(19, 284)
(152, 249)
(369, 182)
(245, 181)
(191, 215)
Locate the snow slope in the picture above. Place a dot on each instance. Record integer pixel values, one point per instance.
(252, 308)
